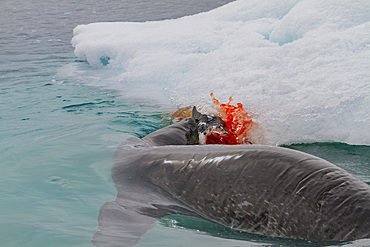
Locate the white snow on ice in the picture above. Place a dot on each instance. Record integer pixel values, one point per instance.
(301, 67)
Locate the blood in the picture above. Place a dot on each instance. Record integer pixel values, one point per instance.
(237, 121)
(220, 138)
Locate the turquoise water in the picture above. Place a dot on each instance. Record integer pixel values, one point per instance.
(58, 135)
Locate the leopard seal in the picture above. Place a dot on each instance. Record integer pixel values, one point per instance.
(266, 190)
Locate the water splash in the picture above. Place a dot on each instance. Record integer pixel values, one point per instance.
(238, 122)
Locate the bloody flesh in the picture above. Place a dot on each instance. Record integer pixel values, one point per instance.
(237, 121)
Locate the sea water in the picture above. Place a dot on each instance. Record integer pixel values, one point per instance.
(300, 67)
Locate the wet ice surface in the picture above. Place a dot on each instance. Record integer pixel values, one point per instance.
(301, 67)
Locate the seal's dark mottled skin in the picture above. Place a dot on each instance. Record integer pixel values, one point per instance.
(265, 190)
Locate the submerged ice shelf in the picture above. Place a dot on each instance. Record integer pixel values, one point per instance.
(300, 66)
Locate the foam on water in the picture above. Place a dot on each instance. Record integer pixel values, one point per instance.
(301, 67)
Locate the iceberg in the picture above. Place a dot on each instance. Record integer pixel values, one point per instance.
(301, 67)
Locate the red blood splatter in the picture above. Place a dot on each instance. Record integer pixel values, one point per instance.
(237, 121)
